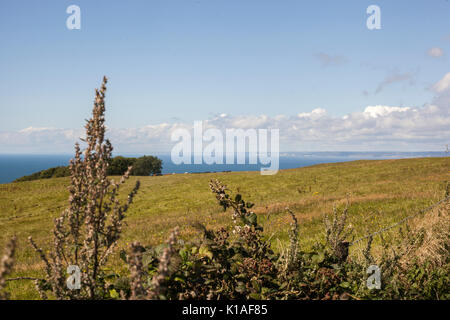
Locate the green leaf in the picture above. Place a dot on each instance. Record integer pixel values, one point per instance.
(255, 296)
(183, 254)
(147, 259)
(256, 285)
(114, 294)
(123, 255)
(205, 252)
(318, 258)
(252, 219)
(240, 287)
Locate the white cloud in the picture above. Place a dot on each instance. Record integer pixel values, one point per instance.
(377, 111)
(375, 128)
(435, 52)
(30, 130)
(443, 84)
(314, 114)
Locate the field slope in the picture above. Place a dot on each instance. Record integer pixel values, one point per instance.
(379, 192)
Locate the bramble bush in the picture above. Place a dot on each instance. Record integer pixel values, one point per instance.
(238, 263)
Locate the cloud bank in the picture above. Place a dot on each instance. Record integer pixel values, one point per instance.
(443, 85)
(375, 128)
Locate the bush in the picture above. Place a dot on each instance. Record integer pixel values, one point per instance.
(143, 166)
(56, 172)
(238, 263)
(147, 165)
(119, 165)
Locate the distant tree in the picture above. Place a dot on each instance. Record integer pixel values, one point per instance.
(147, 165)
(61, 172)
(56, 172)
(119, 165)
(46, 174)
(144, 166)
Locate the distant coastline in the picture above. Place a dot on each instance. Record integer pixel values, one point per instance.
(13, 166)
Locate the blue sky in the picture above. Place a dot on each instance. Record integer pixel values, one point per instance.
(178, 61)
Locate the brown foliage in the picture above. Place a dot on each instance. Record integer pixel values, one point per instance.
(85, 234)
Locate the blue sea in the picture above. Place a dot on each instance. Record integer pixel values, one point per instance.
(16, 166)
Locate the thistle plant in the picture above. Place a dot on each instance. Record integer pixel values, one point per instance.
(337, 231)
(137, 273)
(293, 240)
(288, 259)
(86, 233)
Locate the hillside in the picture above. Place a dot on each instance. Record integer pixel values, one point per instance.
(380, 193)
(143, 166)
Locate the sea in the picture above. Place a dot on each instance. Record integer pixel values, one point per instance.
(13, 166)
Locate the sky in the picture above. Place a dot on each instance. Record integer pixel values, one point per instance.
(311, 69)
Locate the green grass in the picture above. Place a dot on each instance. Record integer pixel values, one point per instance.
(380, 193)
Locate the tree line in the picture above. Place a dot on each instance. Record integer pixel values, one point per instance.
(143, 166)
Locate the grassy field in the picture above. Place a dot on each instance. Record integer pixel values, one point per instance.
(379, 192)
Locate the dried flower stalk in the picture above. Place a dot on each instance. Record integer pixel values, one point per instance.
(157, 287)
(86, 233)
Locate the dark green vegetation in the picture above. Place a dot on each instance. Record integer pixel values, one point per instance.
(143, 166)
(238, 262)
(56, 172)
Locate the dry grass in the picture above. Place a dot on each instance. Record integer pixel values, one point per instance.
(431, 238)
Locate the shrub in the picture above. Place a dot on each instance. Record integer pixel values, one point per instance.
(146, 165)
(56, 172)
(220, 265)
(119, 165)
(238, 263)
(85, 234)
